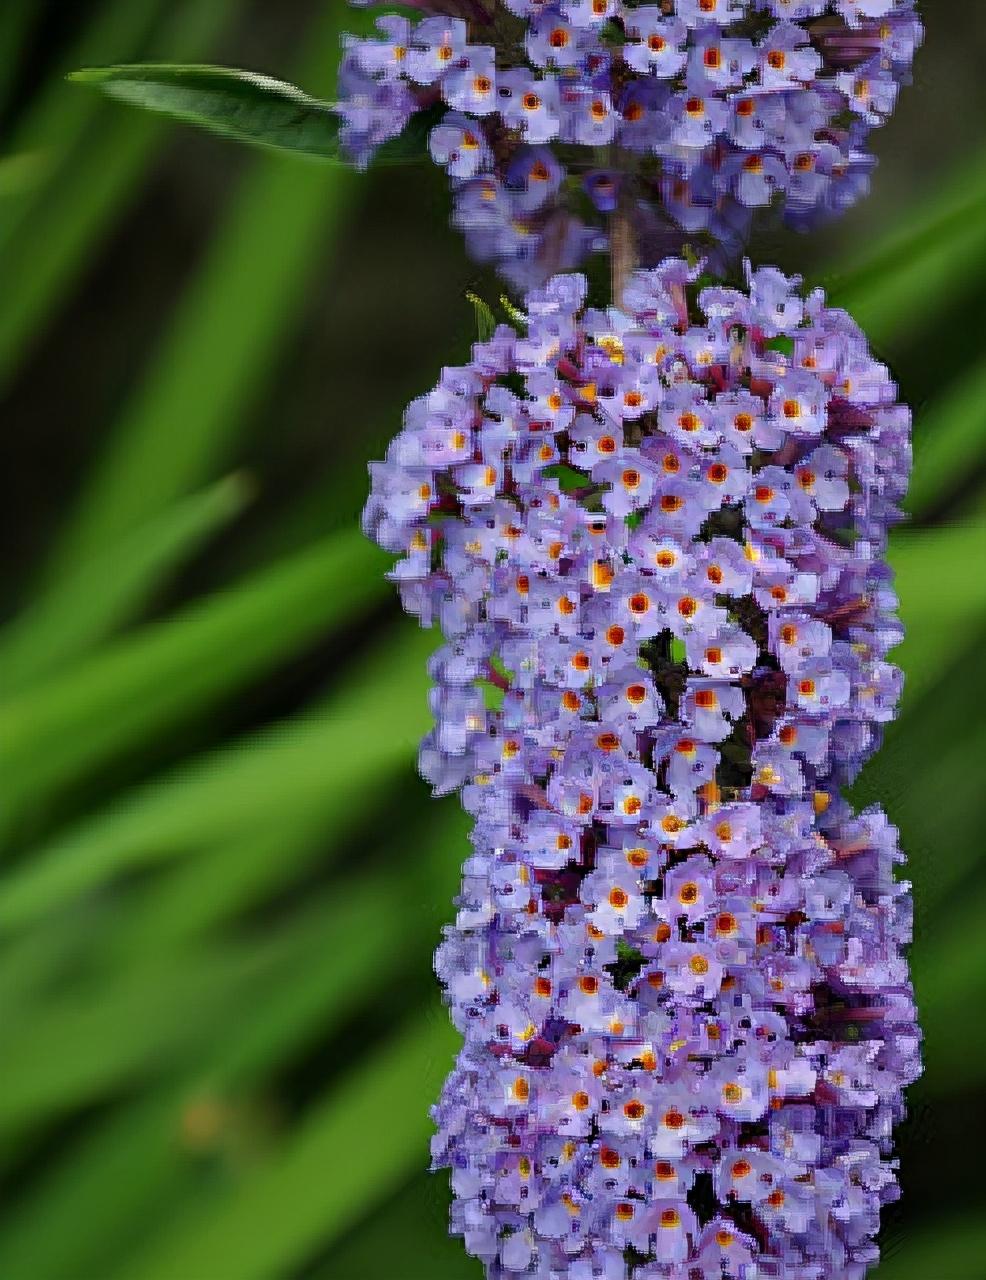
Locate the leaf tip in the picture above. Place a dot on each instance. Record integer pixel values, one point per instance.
(86, 75)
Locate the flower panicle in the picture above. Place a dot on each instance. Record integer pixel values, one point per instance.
(654, 540)
(687, 117)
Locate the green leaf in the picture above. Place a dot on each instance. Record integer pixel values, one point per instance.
(16, 19)
(130, 1021)
(241, 105)
(74, 614)
(97, 1199)
(950, 206)
(120, 1031)
(568, 477)
(333, 762)
(938, 819)
(950, 1250)
(939, 624)
(22, 172)
(217, 884)
(948, 441)
(375, 1121)
(50, 233)
(244, 106)
(307, 996)
(516, 317)
(128, 692)
(224, 881)
(222, 343)
(54, 120)
(485, 319)
(932, 253)
(950, 978)
(418, 1216)
(37, 960)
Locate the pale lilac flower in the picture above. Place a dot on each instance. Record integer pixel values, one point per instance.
(715, 108)
(651, 690)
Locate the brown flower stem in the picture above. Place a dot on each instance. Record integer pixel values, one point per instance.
(623, 253)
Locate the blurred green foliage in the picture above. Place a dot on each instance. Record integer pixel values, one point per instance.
(222, 880)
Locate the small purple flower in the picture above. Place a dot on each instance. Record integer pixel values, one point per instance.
(530, 105)
(785, 58)
(469, 85)
(435, 45)
(459, 147)
(655, 43)
(710, 110)
(669, 918)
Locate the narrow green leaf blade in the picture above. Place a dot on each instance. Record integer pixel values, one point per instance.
(129, 1022)
(378, 1117)
(245, 106)
(16, 20)
(485, 319)
(934, 243)
(21, 172)
(48, 236)
(949, 966)
(948, 442)
(223, 341)
(118, 1031)
(939, 623)
(125, 694)
(333, 762)
(951, 1250)
(315, 990)
(77, 612)
(417, 1216)
(55, 118)
(242, 105)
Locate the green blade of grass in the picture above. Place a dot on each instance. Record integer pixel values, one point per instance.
(940, 623)
(385, 933)
(950, 976)
(223, 882)
(40, 958)
(118, 1032)
(124, 1025)
(73, 615)
(948, 442)
(937, 272)
(127, 693)
(330, 762)
(47, 251)
(951, 1250)
(16, 18)
(217, 1048)
(93, 1204)
(955, 205)
(21, 172)
(224, 339)
(217, 884)
(52, 122)
(417, 1216)
(938, 819)
(376, 1120)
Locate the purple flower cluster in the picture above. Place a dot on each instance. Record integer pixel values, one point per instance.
(550, 114)
(654, 541)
